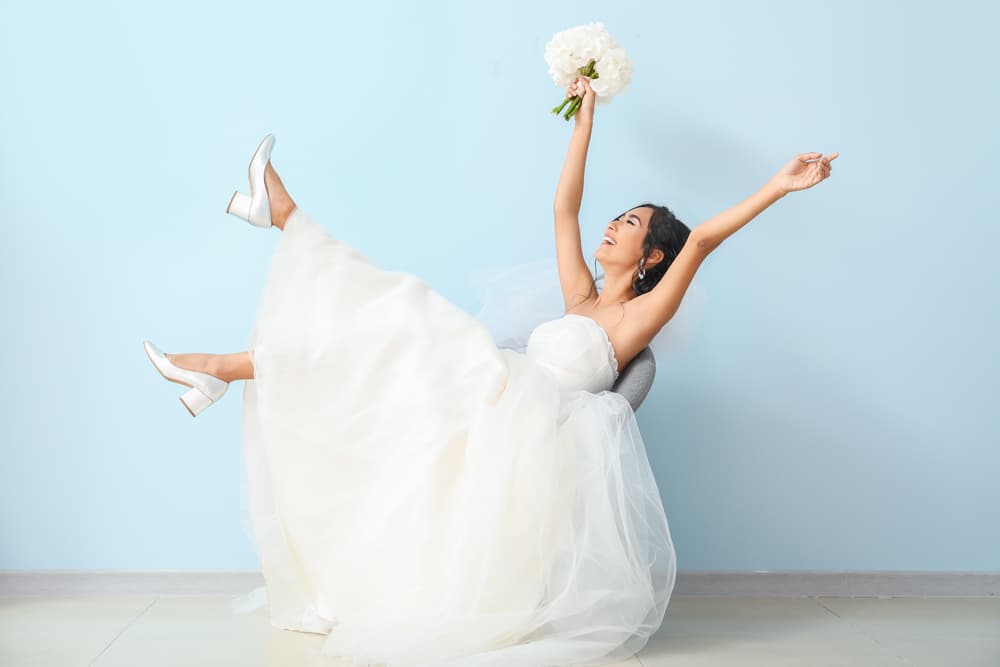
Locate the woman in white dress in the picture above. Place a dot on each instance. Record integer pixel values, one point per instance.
(425, 497)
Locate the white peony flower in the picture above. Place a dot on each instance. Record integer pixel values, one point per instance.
(588, 50)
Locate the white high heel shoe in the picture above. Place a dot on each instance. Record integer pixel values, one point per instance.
(205, 389)
(255, 209)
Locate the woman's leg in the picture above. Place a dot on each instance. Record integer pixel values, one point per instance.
(278, 197)
(237, 366)
(227, 367)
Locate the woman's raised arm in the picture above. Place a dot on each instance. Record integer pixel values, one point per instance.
(575, 278)
(803, 171)
(657, 306)
(569, 192)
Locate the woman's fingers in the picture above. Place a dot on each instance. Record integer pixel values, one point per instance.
(823, 159)
(578, 87)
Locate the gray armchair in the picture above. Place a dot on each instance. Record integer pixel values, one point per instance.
(635, 380)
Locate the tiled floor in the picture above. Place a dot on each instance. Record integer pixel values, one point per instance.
(697, 631)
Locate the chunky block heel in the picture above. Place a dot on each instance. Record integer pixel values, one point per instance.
(239, 205)
(195, 400)
(255, 208)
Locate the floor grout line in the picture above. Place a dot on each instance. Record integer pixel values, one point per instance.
(827, 608)
(121, 632)
(860, 629)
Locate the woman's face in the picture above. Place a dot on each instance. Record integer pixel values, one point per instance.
(627, 233)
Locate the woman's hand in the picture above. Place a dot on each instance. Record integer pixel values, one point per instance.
(580, 86)
(803, 171)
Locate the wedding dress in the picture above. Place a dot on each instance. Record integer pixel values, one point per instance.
(426, 497)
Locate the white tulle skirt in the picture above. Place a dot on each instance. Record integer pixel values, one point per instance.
(425, 498)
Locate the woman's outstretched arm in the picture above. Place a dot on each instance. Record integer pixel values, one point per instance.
(575, 278)
(569, 192)
(803, 171)
(657, 306)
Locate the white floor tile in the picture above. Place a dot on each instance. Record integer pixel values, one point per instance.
(928, 631)
(41, 632)
(719, 632)
(697, 632)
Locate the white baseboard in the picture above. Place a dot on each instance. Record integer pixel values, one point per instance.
(758, 583)
(843, 584)
(86, 583)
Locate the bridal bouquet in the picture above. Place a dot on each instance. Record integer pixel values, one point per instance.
(587, 50)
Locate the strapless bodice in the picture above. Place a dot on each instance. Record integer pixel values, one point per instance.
(576, 351)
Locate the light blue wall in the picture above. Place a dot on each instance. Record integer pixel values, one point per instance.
(837, 410)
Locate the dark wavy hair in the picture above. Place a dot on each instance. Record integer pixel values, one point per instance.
(667, 233)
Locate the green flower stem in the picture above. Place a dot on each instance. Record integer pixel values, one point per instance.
(575, 101)
(569, 110)
(574, 105)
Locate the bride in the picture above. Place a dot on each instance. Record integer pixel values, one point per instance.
(425, 497)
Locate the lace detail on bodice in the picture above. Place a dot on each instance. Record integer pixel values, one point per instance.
(607, 339)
